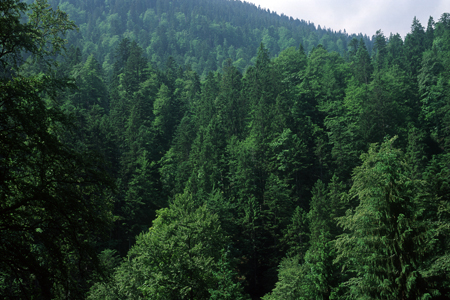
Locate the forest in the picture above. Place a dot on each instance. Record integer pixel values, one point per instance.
(211, 149)
(199, 33)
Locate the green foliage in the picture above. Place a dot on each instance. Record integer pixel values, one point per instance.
(203, 34)
(362, 65)
(180, 257)
(41, 35)
(321, 277)
(380, 51)
(296, 233)
(414, 47)
(226, 286)
(240, 173)
(290, 279)
(384, 228)
(433, 80)
(54, 200)
(436, 175)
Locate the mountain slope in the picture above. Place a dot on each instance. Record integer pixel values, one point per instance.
(202, 33)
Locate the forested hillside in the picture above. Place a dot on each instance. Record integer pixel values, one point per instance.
(130, 168)
(201, 33)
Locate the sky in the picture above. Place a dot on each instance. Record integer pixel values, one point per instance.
(360, 16)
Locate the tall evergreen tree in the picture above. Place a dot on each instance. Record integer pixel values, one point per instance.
(380, 50)
(414, 48)
(429, 34)
(362, 64)
(388, 237)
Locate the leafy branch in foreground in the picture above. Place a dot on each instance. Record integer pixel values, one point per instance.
(53, 201)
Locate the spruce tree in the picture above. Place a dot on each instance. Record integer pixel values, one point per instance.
(387, 238)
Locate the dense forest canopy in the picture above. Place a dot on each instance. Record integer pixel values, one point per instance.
(201, 33)
(213, 150)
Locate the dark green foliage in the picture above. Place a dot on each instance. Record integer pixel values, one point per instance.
(226, 178)
(396, 52)
(380, 51)
(414, 47)
(437, 175)
(362, 65)
(297, 234)
(433, 82)
(54, 203)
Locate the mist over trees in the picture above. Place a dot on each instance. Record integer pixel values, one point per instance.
(199, 33)
(214, 150)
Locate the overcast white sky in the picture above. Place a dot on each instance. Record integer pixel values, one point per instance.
(365, 16)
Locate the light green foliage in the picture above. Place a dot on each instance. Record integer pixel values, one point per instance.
(290, 281)
(180, 257)
(388, 237)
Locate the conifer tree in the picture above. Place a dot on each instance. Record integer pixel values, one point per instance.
(231, 107)
(396, 52)
(388, 237)
(380, 51)
(414, 48)
(164, 122)
(429, 34)
(362, 64)
(135, 70)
